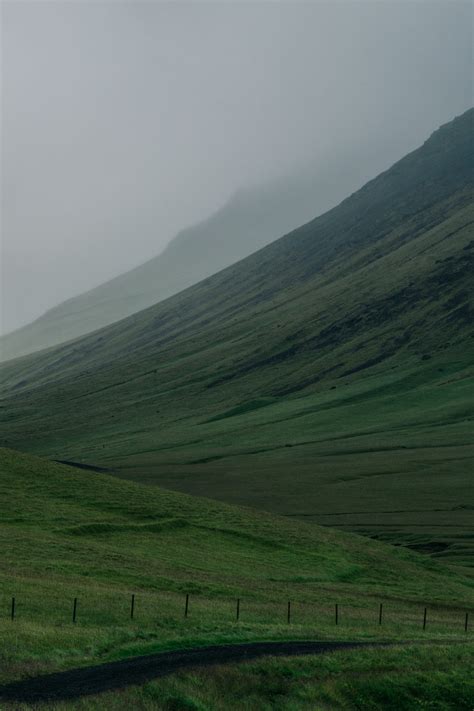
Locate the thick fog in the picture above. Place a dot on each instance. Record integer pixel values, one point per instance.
(123, 122)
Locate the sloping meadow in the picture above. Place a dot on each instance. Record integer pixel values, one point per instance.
(76, 546)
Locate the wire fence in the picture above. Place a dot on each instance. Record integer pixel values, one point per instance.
(91, 608)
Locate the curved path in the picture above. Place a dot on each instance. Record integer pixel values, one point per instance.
(137, 670)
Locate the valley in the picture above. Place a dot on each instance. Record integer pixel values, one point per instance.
(327, 377)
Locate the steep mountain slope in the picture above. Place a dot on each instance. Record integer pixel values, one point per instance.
(328, 376)
(69, 534)
(251, 219)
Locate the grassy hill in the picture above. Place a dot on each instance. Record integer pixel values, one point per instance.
(327, 377)
(67, 533)
(251, 219)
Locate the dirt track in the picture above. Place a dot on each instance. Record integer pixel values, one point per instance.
(137, 670)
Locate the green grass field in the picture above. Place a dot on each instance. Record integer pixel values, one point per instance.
(434, 677)
(66, 533)
(358, 458)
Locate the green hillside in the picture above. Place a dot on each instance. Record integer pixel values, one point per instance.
(251, 219)
(67, 533)
(327, 377)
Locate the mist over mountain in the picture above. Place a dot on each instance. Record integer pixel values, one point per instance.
(123, 123)
(252, 218)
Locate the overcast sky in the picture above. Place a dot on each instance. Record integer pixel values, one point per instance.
(123, 122)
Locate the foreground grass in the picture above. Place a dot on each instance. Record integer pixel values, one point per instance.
(69, 534)
(434, 677)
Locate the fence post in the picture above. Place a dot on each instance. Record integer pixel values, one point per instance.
(13, 609)
(238, 610)
(380, 613)
(186, 606)
(289, 612)
(74, 610)
(466, 622)
(132, 606)
(424, 619)
(337, 613)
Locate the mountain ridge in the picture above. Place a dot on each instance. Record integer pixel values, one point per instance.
(278, 252)
(285, 380)
(250, 219)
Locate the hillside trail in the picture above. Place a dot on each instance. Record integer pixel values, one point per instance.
(85, 681)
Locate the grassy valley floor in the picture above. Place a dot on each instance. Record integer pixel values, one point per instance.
(68, 534)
